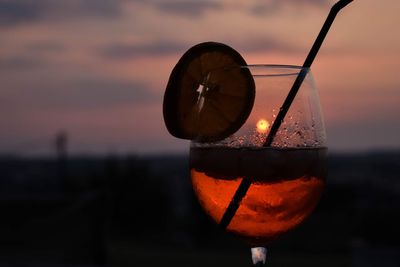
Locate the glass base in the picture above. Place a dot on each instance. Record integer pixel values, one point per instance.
(259, 256)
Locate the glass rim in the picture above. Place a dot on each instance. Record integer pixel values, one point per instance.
(284, 66)
(290, 69)
(266, 70)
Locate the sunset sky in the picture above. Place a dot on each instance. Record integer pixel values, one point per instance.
(97, 69)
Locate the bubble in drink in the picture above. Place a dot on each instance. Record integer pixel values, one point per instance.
(286, 187)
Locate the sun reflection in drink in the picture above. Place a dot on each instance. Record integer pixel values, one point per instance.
(262, 126)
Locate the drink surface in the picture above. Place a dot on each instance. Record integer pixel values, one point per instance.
(286, 187)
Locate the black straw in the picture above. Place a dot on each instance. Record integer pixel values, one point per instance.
(245, 184)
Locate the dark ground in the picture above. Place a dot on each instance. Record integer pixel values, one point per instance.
(140, 211)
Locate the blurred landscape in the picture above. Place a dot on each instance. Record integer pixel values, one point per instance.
(135, 210)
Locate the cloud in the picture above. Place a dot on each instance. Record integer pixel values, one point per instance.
(16, 12)
(46, 46)
(187, 8)
(126, 51)
(257, 44)
(301, 2)
(75, 94)
(105, 93)
(272, 6)
(34, 55)
(121, 51)
(193, 8)
(18, 63)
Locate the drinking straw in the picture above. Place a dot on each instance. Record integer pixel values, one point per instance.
(246, 182)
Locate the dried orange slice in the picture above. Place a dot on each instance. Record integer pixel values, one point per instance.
(209, 95)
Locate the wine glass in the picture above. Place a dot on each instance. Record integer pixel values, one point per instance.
(286, 179)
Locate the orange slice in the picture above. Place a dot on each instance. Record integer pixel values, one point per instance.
(208, 95)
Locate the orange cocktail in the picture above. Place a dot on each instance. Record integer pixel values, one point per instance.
(286, 187)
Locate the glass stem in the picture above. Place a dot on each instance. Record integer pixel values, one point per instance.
(259, 255)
